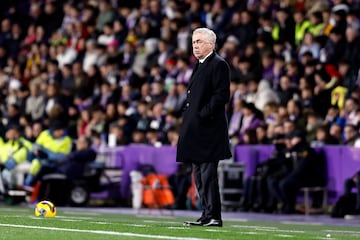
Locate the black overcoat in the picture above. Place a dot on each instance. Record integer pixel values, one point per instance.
(204, 131)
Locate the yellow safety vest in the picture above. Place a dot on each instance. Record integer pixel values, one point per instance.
(300, 30)
(17, 149)
(45, 140)
(56, 145)
(275, 32)
(317, 29)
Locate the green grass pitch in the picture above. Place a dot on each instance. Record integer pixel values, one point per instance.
(19, 223)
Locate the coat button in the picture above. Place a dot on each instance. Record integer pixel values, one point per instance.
(188, 91)
(187, 104)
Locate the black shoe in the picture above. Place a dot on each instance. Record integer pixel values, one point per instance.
(213, 223)
(189, 223)
(201, 220)
(198, 222)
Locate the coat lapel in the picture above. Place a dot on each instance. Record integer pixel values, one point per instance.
(198, 68)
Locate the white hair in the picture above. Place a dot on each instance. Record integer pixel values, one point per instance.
(210, 35)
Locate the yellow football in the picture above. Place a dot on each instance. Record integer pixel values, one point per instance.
(45, 209)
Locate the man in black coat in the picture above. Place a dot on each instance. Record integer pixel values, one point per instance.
(204, 136)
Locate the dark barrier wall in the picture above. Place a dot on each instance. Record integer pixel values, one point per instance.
(342, 162)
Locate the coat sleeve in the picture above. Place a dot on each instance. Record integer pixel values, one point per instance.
(220, 90)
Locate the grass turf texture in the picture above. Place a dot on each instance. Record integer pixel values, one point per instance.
(20, 223)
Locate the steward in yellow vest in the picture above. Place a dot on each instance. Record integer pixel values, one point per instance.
(301, 26)
(51, 147)
(15, 149)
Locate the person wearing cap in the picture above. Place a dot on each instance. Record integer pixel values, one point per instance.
(13, 152)
(204, 139)
(308, 170)
(50, 148)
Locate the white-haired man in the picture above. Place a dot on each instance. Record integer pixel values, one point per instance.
(204, 139)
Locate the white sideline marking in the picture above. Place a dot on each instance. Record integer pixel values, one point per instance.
(155, 221)
(71, 220)
(12, 210)
(214, 230)
(280, 230)
(284, 235)
(302, 223)
(101, 232)
(343, 231)
(250, 233)
(101, 223)
(72, 217)
(178, 228)
(37, 218)
(135, 225)
(15, 216)
(267, 229)
(82, 213)
(254, 227)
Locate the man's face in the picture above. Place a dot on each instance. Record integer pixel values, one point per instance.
(58, 133)
(12, 134)
(81, 143)
(201, 45)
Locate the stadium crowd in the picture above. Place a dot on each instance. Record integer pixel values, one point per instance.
(121, 68)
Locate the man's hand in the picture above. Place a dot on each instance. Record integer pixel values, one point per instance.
(36, 151)
(355, 179)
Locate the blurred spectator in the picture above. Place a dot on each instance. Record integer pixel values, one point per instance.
(336, 132)
(322, 95)
(284, 28)
(317, 25)
(265, 94)
(83, 121)
(295, 113)
(250, 137)
(73, 116)
(309, 44)
(235, 120)
(118, 133)
(171, 99)
(352, 49)
(308, 170)
(261, 135)
(172, 136)
(350, 135)
(350, 111)
(107, 37)
(97, 122)
(323, 138)
(250, 119)
(313, 122)
(335, 46)
(138, 136)
(106, 14)
(301, 26)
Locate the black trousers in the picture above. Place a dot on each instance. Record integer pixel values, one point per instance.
(350, 184)
(206, 180)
